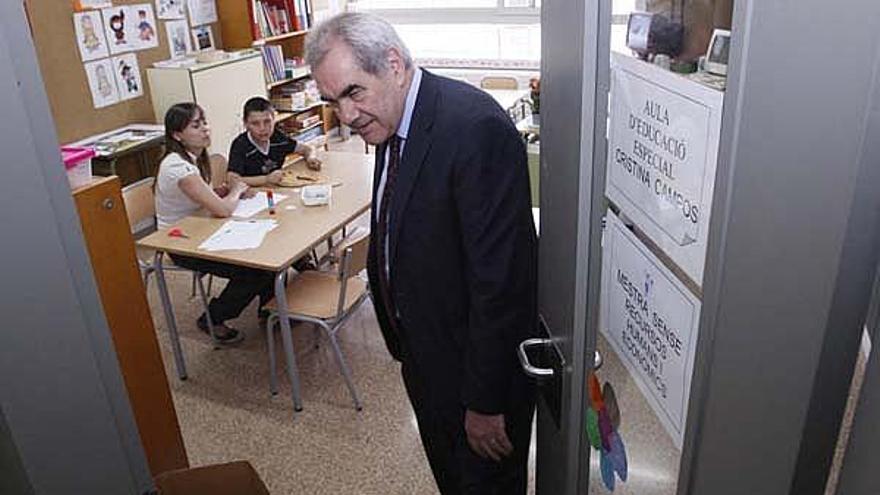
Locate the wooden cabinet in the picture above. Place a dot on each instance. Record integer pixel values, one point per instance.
(111, 250)
(221, 88)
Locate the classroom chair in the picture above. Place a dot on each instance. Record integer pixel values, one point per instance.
(232, 478)
(140, 207)
(326, 299)
(499, 82)
(219, 167)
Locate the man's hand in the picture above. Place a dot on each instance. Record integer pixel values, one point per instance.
(311, 156)
(275, 177)
(313, 164)
(486, 435)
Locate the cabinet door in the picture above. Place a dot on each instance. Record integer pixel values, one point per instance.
(111, 250)
(222, 90)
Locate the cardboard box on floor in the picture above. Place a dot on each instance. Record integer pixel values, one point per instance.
(234, 478)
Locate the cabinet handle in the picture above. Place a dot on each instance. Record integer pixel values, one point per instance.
(108, 203)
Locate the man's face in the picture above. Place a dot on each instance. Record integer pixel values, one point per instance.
(260, 125)
(371, 105)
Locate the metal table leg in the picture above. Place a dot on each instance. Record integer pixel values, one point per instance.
(169, 316)
(287, 339)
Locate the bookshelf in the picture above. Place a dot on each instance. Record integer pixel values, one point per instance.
(277, 28)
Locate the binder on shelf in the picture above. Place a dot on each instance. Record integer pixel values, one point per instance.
(256, 29)
(273, 18)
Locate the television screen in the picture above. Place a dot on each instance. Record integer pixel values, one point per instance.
(718, 52)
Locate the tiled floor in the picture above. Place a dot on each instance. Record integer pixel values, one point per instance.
(226, 412)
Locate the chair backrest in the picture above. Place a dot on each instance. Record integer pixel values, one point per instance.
(233, 478)
(219, 167)
(499, 82)
(140, 205)
(354, 250)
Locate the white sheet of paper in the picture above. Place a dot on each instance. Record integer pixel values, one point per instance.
(90, 35)
(116, 22)
(170, 9)
(203, 38)
(178, 38)
(144, 32)
(202, 12)
(249, 207)
(128, 76)
(239, 234)
(95, 4)
(102, 83)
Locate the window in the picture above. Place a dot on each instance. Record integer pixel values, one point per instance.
(465, 33)
(425, 4)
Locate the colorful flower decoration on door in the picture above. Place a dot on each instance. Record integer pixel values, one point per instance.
(603, 423)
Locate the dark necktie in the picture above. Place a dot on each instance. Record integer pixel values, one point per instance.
(382, 227)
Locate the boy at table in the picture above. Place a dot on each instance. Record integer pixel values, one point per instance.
(257, 155)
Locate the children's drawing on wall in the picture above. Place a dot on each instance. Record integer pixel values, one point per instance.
(178, 38)
(128, 76)
(102, 83)
(202, 12)
(203, 38)
(90, 35)
(116, 23)
(144, 26)
(80, 5)
(170, 9)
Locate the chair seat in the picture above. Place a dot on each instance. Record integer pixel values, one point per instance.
(316, 294)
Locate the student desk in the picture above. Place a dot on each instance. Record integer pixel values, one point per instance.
(299, 229)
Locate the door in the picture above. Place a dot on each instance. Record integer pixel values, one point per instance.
(758, 303)
(66, 425)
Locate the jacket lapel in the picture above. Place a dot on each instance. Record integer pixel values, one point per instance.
(417, 144)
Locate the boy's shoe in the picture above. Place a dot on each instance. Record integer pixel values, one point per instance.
(222, 333)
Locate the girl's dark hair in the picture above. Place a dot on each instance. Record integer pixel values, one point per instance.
(176, 119)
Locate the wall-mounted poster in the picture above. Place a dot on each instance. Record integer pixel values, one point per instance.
(90, 35)
(102, 83)
(128, 76)
(202, 12)
(178, 38)
(117, 21)
(170, 9)
(203, 38)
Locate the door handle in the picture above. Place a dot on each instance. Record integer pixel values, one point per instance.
(528, 368)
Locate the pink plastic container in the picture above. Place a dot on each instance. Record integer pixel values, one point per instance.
(78, 162)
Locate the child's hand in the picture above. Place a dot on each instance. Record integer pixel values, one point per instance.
(222, 190)
(238, 188)
(275, 177)
(248, 193)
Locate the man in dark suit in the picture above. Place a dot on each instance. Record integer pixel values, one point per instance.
(453, 257)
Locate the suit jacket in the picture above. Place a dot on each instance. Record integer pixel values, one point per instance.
(462, 250)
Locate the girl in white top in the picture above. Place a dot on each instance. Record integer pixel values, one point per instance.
(182, 189)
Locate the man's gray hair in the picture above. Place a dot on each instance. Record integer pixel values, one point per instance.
(369, 37)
